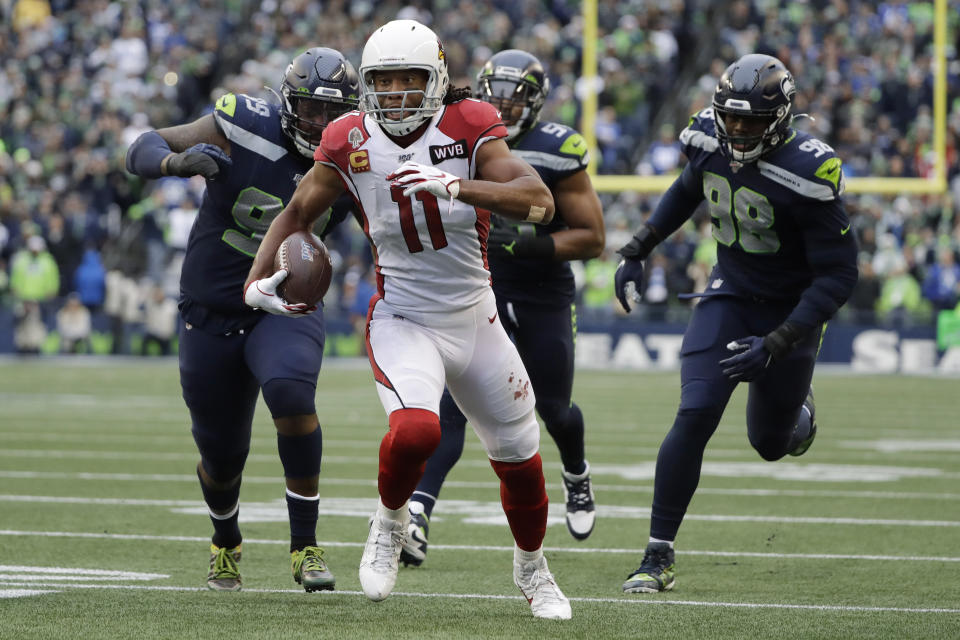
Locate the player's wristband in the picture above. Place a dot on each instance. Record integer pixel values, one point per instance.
(641, 244)
(784, 339)
(531, 246)
(146, 154)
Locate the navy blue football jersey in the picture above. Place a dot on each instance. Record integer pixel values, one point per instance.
(778, 221)
(237, 210)
(556, 152)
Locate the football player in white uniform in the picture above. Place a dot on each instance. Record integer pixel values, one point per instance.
(425, 164)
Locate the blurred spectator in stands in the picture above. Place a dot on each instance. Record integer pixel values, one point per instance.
(888, 255)
(34, 283)
(704, 259)
(678, 250)
(66, 248)
(74, 326)
(121, 303)
(867, 240)
(4, 285)
(34, 276)
(597, 294)
(29, 14)
(609, 133)
(862, 302)
(89, 280)
(900, 302)
(942, 284)
(159, 321)
(656, 293)
(30, 332)
(150, 215)
(663, 156)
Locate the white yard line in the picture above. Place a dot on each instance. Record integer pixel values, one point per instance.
(643, 483)
(485, 548)
(468, 510)
(625, 600)
(464, 484)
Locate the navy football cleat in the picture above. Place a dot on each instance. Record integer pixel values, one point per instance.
(656, 573)
(414, 549)
(581, 510)
(801, 447)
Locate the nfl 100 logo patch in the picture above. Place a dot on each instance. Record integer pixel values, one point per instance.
(307, 251)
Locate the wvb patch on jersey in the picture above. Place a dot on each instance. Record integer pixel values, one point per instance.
(439, 153)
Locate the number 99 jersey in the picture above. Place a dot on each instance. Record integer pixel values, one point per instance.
(236, 210)
(775, 218)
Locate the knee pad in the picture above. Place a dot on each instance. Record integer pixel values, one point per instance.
(414, 435)
(300, 455)
(286, 397)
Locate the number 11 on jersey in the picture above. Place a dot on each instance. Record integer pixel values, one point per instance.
(431, 210)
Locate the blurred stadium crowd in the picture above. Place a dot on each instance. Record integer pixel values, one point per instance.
(81, 79)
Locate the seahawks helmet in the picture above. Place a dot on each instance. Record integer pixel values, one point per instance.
(511, 79)
(318, 87)
(755, 86)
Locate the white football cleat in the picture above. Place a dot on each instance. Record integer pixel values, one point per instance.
(581, 510)
(379, 562)
(539, 587)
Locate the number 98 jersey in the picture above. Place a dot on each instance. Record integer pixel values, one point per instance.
(236, 210)
(770, 217)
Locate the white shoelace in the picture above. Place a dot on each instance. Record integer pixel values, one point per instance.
(542, 582)
(387, 541)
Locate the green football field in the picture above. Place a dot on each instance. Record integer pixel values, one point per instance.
(103, 534)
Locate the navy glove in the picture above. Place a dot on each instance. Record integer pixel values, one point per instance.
(507, 242)
(628, 281)
(750, 362)
(629, 276)
(206, 160)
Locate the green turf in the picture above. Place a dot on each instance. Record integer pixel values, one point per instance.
(97, 474)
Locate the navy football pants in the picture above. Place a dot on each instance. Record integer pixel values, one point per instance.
(773, 404)
(221, 376)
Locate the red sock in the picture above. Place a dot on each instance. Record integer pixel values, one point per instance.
(413, 435)
(524, 499)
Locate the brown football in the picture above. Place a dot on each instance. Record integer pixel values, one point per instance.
(308, 266)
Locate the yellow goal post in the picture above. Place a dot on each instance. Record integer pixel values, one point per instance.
(878, 185)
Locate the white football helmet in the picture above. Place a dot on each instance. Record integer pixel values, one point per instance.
(403, 44)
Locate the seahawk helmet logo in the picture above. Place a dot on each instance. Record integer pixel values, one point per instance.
(788, 86)
(355, 137)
